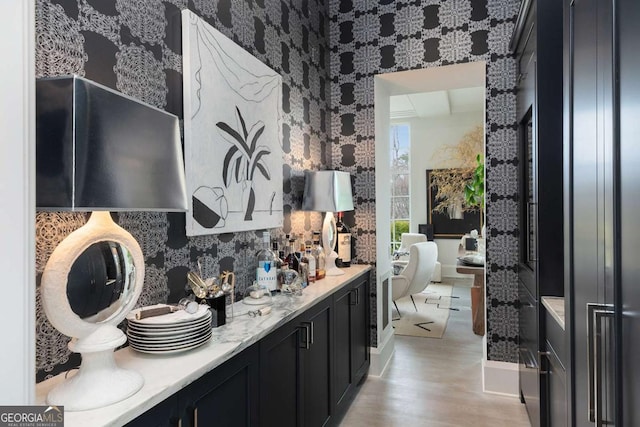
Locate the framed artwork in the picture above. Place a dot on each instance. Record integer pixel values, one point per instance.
(444, 226)
(232, 134)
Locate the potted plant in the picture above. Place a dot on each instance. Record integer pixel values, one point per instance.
(474, 189)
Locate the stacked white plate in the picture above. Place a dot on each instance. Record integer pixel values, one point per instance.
(169, 333)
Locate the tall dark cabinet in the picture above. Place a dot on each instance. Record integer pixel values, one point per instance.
(537, 46)
(602, 209)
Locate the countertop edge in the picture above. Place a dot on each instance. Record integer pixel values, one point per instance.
(555, 307)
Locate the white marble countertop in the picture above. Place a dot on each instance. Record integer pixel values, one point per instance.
(164, 375)
(555, 306)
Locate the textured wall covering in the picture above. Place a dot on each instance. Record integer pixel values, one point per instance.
(134, 46)
(374, 37)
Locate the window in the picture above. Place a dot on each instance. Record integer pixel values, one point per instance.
(400, 183)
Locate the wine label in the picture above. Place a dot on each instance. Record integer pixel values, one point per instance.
(267, 275)
(344, 247)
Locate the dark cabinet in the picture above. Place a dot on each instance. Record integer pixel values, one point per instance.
(537, 45)
(352, 356)
(316, 363)
(529, 371)
(602, 193)
(228, 394)
(165, 414)
(556, 389)
(295, 370)
(304, 373)
(552, 362)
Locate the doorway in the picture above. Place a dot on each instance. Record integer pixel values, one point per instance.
(440, 105)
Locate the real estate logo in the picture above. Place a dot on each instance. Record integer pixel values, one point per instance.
(32, 416)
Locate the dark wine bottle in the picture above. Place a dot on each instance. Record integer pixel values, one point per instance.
(343, 244)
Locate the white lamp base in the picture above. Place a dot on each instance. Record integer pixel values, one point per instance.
(331, 268)
(99, 382)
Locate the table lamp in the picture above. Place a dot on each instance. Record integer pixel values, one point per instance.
(330, 192)
(98, 150)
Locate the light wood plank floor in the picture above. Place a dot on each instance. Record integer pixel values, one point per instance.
(435, 382)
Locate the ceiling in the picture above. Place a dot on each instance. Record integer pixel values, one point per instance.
(437, 103)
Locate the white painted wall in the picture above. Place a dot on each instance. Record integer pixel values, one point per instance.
(17, 202)
(382, 353)
(428, 136)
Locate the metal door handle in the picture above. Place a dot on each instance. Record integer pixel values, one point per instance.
(195, 417)
(528, 362)
(310, 330)
(540, 354)
(353, 297)
(595, 314)
(305, 326)
(357, 296)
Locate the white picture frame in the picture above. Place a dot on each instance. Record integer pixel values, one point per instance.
(232, 134)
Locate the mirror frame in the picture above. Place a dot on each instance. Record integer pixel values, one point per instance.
(100, 227)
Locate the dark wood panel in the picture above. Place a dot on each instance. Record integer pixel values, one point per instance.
(228, 394)
(317, 367)
(280, 378)
(360, 329)
(629, 200)
(342, 344)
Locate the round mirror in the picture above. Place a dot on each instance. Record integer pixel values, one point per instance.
(101, 281)
(93, 278)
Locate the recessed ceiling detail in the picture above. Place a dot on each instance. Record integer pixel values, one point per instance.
(437, 103)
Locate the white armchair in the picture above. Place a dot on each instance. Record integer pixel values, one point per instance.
(401, 257)
(417, 274)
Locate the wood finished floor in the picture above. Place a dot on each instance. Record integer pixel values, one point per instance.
(435, 382)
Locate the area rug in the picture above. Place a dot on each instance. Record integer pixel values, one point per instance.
(430, 321)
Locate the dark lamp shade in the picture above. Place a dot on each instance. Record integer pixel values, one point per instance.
(327, 191)
(97, 149)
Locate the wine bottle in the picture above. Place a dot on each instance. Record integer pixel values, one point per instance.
(343, 243)
(291, 258)
(318, 253)
(266, 271)
(311, 261)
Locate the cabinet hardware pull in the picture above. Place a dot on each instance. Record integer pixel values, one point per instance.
(305, 326)
(595, 314)
(309, 325)
(195, 417)
(528, 362)
(179, 422)
(540, 354)
(352, 297)
(357, 296)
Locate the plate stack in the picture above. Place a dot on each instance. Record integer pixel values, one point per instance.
(169, 333)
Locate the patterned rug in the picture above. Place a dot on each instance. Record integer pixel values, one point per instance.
(430, 321)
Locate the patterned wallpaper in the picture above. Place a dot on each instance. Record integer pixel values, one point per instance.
(373, 37)
(134, 46)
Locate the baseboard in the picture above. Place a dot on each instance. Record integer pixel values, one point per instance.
(500, 378)
(381, 355)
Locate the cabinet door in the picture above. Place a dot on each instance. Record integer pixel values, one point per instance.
(591, 209)
(360, 329)
(528, 354)
(281, 376)
(317, 378)
(556, 390)
(162, 415)
(227, 396)
(342, 344)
